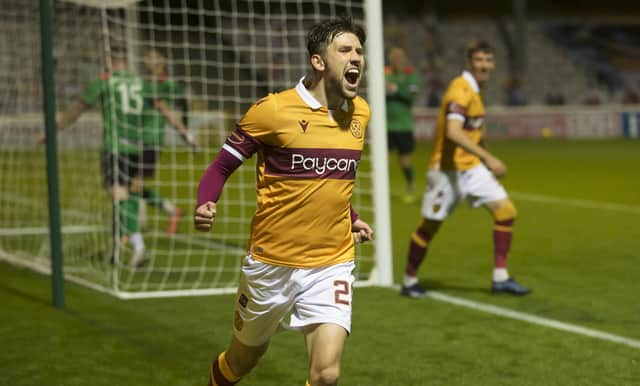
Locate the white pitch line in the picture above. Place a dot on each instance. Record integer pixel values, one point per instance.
(37, 231)
(506, 313)
(30, 202)
(576, 202)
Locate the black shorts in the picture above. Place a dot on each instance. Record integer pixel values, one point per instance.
(402, 141)
(121, 168)
(149, 159)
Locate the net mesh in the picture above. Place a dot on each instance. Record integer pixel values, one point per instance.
(223, 55)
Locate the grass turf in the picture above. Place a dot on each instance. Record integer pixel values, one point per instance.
(582, 262)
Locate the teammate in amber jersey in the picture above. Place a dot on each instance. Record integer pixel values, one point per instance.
(462, 102)
(308, 141)
(460, 167)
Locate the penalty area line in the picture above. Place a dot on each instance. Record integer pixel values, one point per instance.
(524, 317)
(576, 202)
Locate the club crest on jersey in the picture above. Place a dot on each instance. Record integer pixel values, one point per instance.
(356, 129)
(436, 208)
(303, 125)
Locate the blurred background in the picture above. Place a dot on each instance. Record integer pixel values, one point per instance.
(563, 112)
(577, 53)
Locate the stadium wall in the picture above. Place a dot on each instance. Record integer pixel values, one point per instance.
(19, 131)
(546, 122)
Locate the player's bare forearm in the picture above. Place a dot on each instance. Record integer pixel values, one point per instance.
(205, 216)
(67, 118)
(455, 133)
(71, 114)
(175, 122)
(168, 115)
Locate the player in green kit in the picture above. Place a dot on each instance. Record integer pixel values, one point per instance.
(402, 83)
(120, 93)
(161, 95)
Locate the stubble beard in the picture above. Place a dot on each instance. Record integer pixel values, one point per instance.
(344, 92)
(337, 90)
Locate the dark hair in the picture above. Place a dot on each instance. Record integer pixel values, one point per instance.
(480, 46)
(323, 33)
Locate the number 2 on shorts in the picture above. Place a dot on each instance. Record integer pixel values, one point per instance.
(342, 288)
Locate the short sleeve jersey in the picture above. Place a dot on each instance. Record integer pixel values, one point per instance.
(306, 167)
(170, 92)
(461, 101)
(120, 94)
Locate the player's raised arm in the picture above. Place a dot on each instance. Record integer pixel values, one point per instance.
(238, 147)
(211, 185)
(255, 126)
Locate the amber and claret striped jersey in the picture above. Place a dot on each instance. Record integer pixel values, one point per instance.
(461, 101)
(306, 167)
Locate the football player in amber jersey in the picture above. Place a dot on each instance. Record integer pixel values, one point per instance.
(300, 256)
(460, 167)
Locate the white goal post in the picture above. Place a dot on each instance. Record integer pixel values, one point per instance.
(222, 56)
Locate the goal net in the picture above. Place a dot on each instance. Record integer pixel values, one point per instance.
(218, 57)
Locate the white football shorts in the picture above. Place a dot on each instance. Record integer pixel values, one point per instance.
(446, 188)
(268, 293)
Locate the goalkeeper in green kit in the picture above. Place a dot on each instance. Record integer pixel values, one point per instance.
(161, 94)
(401, 83)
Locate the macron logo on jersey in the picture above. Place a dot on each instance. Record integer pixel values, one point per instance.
(303, 125)
(322, 165)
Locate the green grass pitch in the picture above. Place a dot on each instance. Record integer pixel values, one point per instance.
(576, 243)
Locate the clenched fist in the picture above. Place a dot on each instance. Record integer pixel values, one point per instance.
(205, 216)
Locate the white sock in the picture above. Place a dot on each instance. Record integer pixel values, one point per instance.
(500, 274)
(136, 241)
(168, 206)
(409, 280)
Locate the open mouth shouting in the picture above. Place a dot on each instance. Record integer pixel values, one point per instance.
(352, 77)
